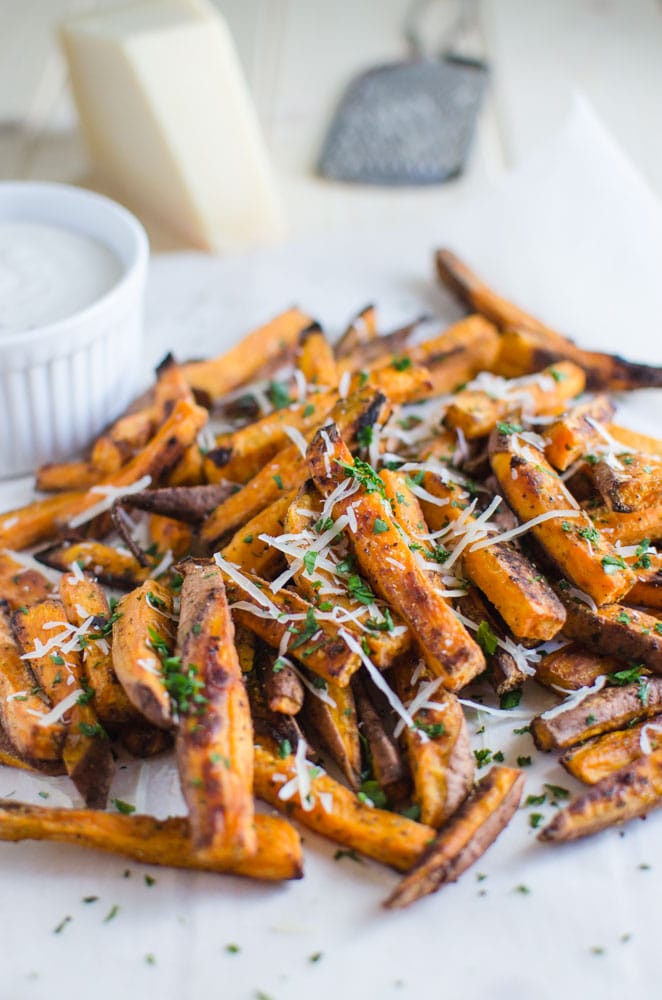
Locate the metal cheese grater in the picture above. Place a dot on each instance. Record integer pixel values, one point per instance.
(410, 122)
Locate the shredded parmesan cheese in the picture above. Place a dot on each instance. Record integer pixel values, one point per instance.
(576, 698)
(110, 494)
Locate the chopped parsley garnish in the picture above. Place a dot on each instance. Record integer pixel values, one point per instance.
(63, 923)
(315, 957)
(439, 554)
(365, 436)
(535, 819)
(506, 428)
(612, 564)
(524, 762)
(643, 691)
(112, 913)
(643, 559)
(279, 395)
(183, 685)
(486, 638)
(622, 677)
(57, 659)
(522, 730)
(433, 730)
(557, 375)
(522, 889)
(360, 590)
(483, 757)
(380, 526)
(401, 364)
(309, 560)
(535, 800)
(372, 790)
(232, 949)
(323, 525)
(412, 812)
(150, 881)
(156, 601)
(86, 697)
(279, 664)
(310, 627)
(557, 791)
(309, 410)
(93, 729)
(349, 853)
(590, 534)
(284, 749)
(364, 474)
(623, 618)
(384, 626)
(159, 645)
(279, 482)
(123, 807)
(510, 699)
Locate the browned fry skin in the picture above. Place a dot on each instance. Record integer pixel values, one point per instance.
(388, 767)
(271, 342)
(315, 358)
(57, 477)
(573, 434)
(83, 597)
(539, 345)
(142, 740)
(247, 550)
(155, 841)
(602, 712)
(629, 529)
(379, 349)
(384, 646)
(86, 749)
(447, 648)
(602, 756)
(114, 568)
(442, 765)
(631, 792)
(171, 386)
(532, 487)
(636, 484)
(465, 838)
(10, 756)
(505, 675)
(384, 836)
(238, 456)
(361, 330)
(509, 580)
(22, 710)
(284, 690)
(169, 535)
(215, 733)
(323, 651)
(647, 591)
(40, 520)
(189, 504)
(398, 384)
(116, 445)
(475, 412)
(19, 586)
(615, 630)
(142, 637)
(457, 354)
(572, 667)
(336, 728)
(288, 470)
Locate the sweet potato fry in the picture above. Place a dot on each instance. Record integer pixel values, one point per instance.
(315, 358)
(647, 591)
(215, 733)
(10, 756)
(439, 751)
(84, 598)
(509, 580)
(315, 641)
(384, 836)
(361, 330)
(602, 756)
(239, 455)
(284, 689)
(638, 442)
(614, 630)
(59, 477)
(144, 740)
(574, 433)
(476, 412)
(636, 484)
(113, 567)
(532, 488)
(465, 838)
(142, 637)
(86, 749)
(19, 585)
(336, 728)
(155, 841)
(391, 567)
(169, 535)
(629, 529)
(271, 342)
(573, 667)
(387, 766)
(247, 550)
(457, 354)
(23, 713)
(539, 345)
(288, 470)
(633, 791)
(601, 712)
(189, 471)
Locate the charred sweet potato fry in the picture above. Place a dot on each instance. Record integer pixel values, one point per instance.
(476, 412)
(142, 638)
(604, 755)
(289, 469)
(272, 342)
(647, 591)
(86, 749)
(283, 688)
(465, 838)
(316, 643)
(509, 580)
(169, 535)
(533, 489)
(636, 484)
(573, 667)
(384, 836)
(438, 750)
(615, 630)
(334, 723)
(387, 766)
(457, 354)
(247, 550)
(144, 740)
(10, 756)
(632, 791)
(84, 598)
(361, 330)
(391, 567)
(19, 585)
(215, 733)
(575, 433)
(239, 455)
(23, 712)
(601, 712)
(155, 841)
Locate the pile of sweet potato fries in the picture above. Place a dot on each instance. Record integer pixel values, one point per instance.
(318, 548)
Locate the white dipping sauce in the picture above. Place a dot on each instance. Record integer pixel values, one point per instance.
(48, 273)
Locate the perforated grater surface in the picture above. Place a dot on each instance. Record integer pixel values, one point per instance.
(406, 123)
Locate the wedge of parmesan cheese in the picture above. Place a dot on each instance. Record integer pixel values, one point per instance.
(169, 123)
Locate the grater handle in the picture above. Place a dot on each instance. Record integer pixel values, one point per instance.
(462, 24)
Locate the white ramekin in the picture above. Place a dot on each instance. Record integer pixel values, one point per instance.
(60, 384)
